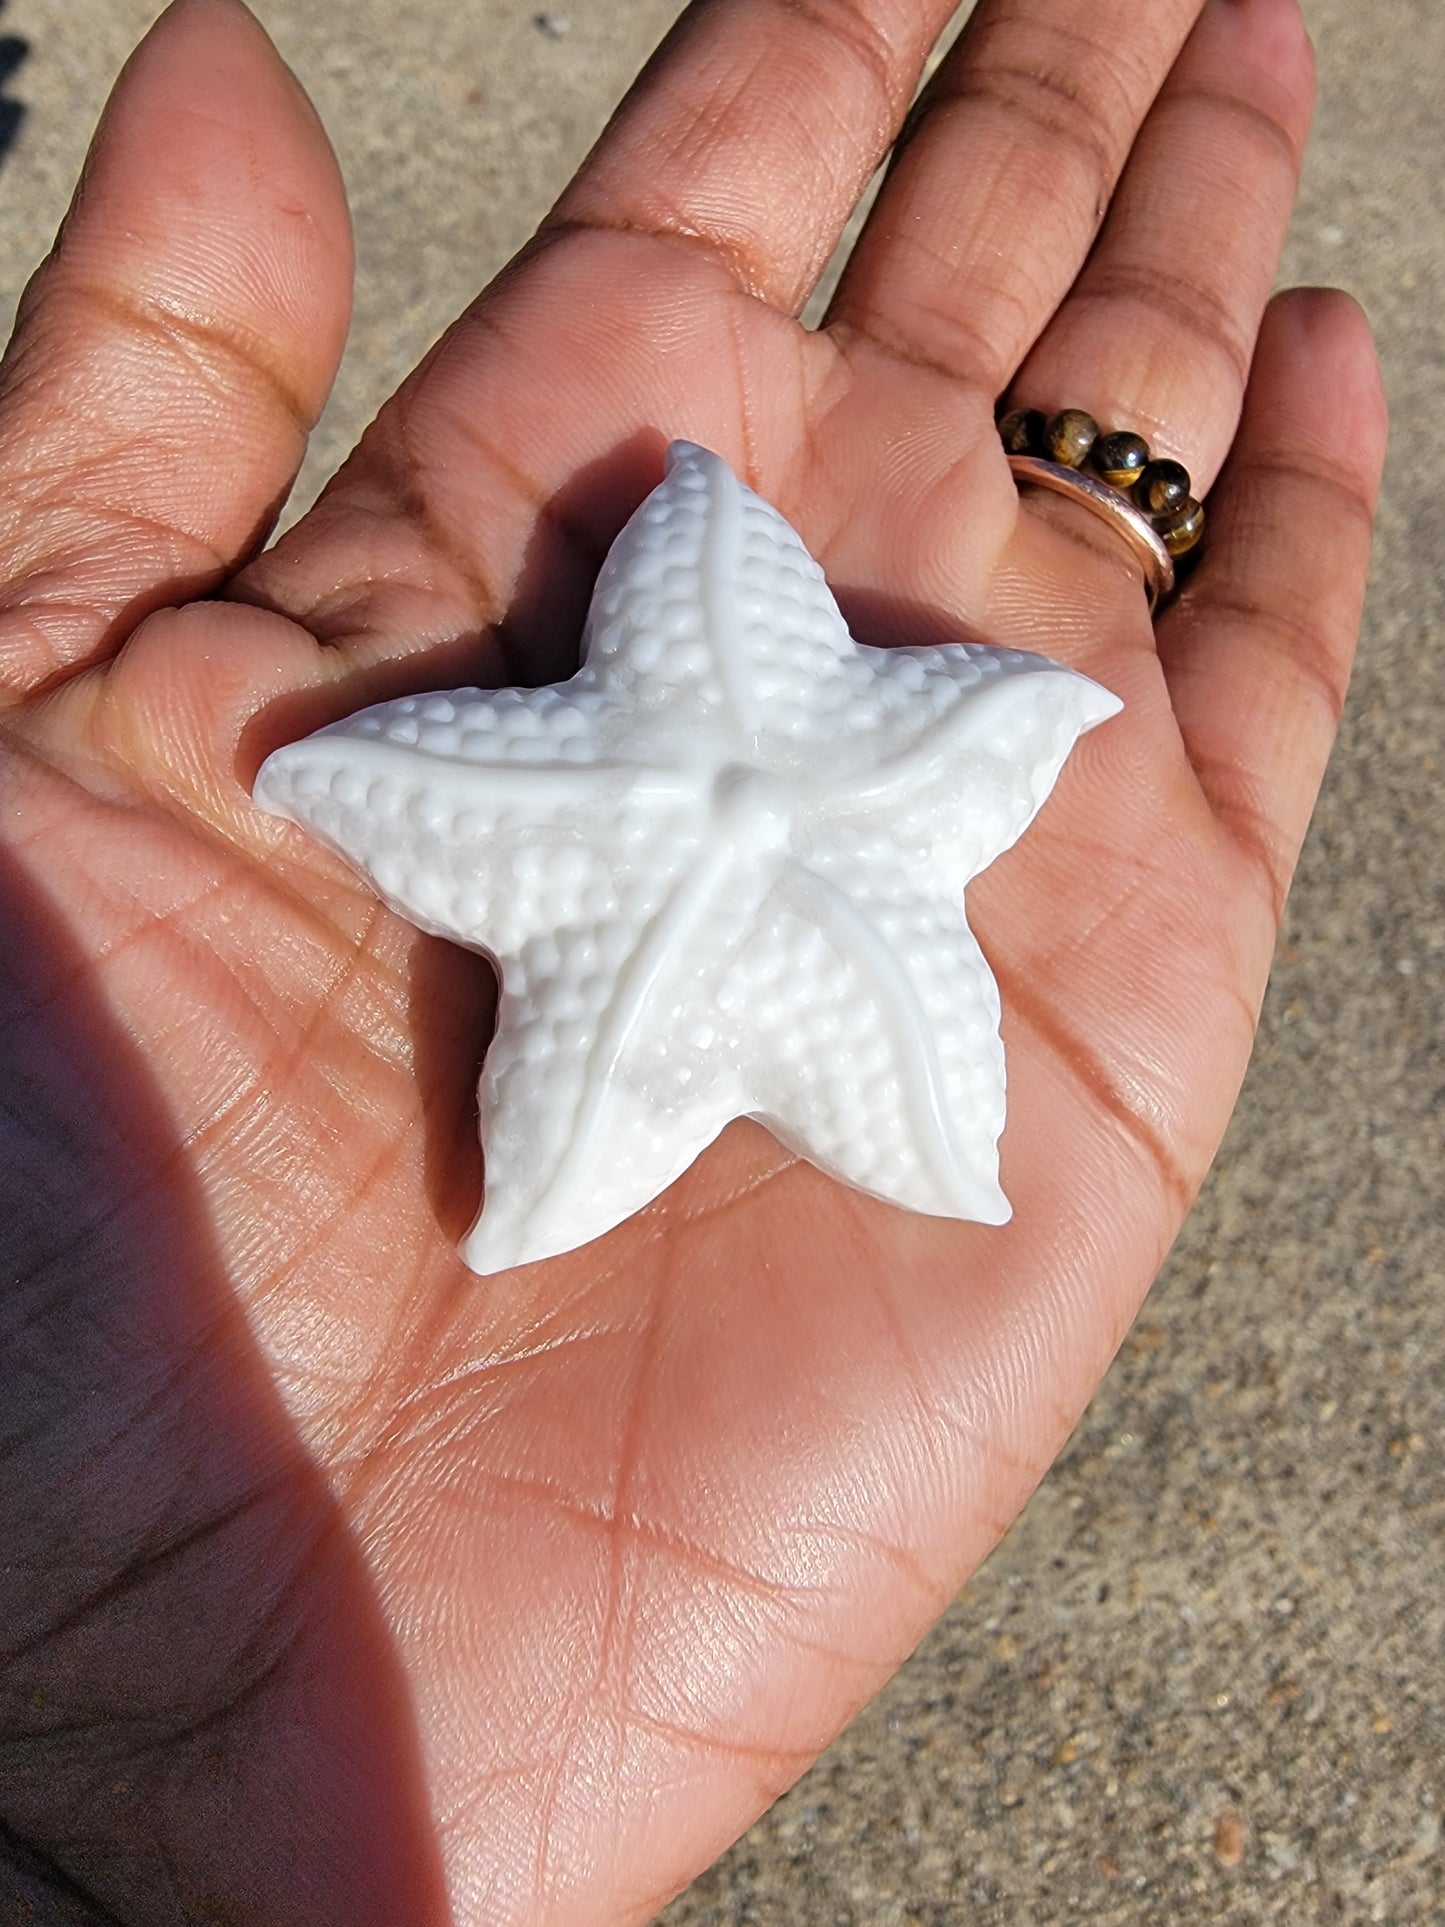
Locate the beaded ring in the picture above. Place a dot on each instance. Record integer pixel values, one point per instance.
(1113, 475)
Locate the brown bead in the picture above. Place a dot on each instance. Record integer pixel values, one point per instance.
(1022, 431)
(1163, 487)
(1182, 527)
(1120, 458)
(1069, 437)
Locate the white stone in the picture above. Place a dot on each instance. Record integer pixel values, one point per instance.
(720, 872)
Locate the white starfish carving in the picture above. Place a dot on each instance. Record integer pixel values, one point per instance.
(721, 873)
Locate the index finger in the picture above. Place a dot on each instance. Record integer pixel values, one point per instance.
(754, 129)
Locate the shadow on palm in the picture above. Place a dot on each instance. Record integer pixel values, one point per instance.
(183, 1604)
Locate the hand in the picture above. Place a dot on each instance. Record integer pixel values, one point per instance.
(338, 1585)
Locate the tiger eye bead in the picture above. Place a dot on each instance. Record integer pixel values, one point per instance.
(1120, 458)
(1069, 436)
(1182, 527)
(1022, 431)
(1163, 487)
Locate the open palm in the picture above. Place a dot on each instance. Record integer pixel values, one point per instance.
(339, 1585)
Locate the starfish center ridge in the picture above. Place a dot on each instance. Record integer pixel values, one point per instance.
(752, 807)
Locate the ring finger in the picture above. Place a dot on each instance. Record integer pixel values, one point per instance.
(1157, 332)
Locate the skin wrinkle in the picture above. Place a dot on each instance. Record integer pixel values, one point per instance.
(348, 1428)
(436, 1334)
(850, 28)
(103, 514)
(935, 1592)
(30, 1861)
(60, 474)
(584, 548)
(109, 951)
(1141, 877)
(188, 806)
(741, 1581)
(328, 617)
(696, 1215)
(1086, 1073)
(365, 1446)
(25, 683)
(272, 1658)
(203, 965)
(747, 434)
(1003, 21)
(91, 517)
(301, 903)
(155, 1402)
(252, 1097)
(533, 1492)
(1250, 829)
(1217, 101)
(888, 340)
(435, 1327)
(1180, 95)
(972, 1432)
(26, 624)
(1179, 299)
(291, 1064)
(737, 256)
(1298, 650)
(408, 470)
(716, 250)
(288, 1266)
(204, 346)
(873, 1666)
(1048, 106)
(145, 1566)
(1055, 959)
(613, 1649)
(558, 1767)
(483, 1371)
(680, 1548)
(85, 1233)
(791, 1757)
(386, 1034)
(1326, 480)
(360, 952)
(612, 1667)
(913, 1372)
(276, 1070)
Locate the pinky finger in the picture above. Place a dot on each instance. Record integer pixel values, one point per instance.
(1258, 649)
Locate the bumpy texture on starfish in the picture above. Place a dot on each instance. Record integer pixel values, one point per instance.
(721, 872)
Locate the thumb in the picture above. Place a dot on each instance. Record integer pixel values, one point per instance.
(173, 353)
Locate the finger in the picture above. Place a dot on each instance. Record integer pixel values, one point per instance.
(1257, 651)
(172, 354)
(1157, 333)
(754, 131)
(1000, 186)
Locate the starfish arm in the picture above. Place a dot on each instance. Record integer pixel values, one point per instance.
(964, 749)
(876, 1052)
(710, 594)
(605, 1079)
(489, 817)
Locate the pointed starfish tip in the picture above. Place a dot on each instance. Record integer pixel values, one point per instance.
(685, 454)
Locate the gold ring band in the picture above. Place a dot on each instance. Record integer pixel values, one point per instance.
(1110, 506)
